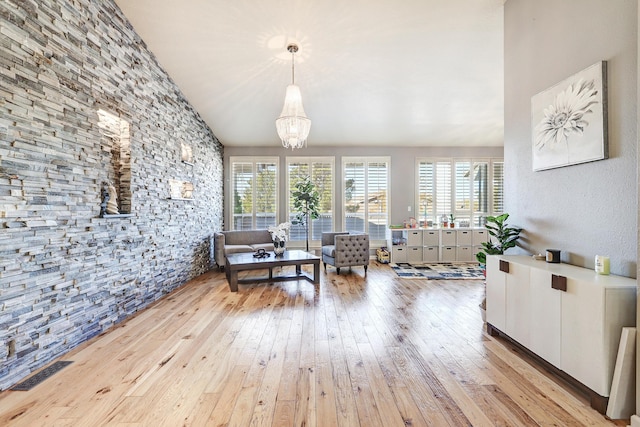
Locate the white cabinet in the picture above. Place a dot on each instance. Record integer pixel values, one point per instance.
(430, 237)
(448, 237)
(431, 245)
(448, 253)
(414, 254)
(463, 237)
(570, 316)
(479, 236)
(399, 253)
(448, 248)
(464, 254)
(518, 309)
(430, 254)
(545, 339)
(592, 319)
(414, 237)
(496, 289)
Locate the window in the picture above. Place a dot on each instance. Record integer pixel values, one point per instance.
(254, 190)
(321, 171)
(480, 182)
(434, 190)
(469, 189)
(498, 187)
(366, 191)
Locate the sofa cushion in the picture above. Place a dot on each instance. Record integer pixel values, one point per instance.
(265, 246)
(236, 249)
(329, 250)
(246, 237)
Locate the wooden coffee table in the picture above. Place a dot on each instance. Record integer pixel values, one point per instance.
(246, 261)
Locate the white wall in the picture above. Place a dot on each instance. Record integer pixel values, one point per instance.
(585, 209)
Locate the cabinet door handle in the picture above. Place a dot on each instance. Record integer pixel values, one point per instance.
(504, 266)
(559, 283)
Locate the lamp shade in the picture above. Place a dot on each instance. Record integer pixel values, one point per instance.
(293, 125)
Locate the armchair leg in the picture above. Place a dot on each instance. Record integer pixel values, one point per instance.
(365, 269)
(338, 270)
(325, 266)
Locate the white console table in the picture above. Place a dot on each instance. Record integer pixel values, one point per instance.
(569, 316)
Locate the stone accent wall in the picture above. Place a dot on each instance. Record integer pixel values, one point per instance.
(66, 274)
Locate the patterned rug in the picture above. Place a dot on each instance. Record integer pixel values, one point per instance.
(442, 271)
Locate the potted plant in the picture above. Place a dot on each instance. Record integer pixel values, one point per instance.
(452, 218)
(306, 201)
(503, 237)
(279, 235)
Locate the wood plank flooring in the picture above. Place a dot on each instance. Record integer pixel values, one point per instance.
(353, 351)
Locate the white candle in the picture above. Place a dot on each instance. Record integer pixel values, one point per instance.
(602, 264)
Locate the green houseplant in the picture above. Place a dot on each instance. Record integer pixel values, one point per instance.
(306, 201)
(503, 237)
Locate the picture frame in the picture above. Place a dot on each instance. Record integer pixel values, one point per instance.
(569, 120)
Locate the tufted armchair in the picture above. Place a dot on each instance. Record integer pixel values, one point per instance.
(344, 250)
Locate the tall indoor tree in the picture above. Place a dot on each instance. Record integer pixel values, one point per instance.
(306, 201)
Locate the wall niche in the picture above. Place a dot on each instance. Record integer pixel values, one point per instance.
(116, 144)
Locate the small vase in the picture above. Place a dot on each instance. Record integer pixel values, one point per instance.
(279, 247)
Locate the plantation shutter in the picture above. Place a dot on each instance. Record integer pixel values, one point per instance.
(498, 187)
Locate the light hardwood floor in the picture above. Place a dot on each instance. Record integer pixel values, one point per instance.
(379, 351)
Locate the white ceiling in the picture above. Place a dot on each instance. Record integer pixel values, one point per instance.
(371, 72)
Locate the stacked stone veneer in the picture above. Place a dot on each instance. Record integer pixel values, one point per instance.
(65, 273)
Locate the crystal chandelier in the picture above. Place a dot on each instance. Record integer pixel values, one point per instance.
(293, 125)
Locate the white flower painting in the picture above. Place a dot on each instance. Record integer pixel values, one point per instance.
(569, 120)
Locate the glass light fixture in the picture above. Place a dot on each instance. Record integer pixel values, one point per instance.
(293, 125)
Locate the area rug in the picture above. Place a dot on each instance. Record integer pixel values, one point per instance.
(444, 271)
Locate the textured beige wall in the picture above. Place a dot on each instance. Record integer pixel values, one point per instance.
(591, 208)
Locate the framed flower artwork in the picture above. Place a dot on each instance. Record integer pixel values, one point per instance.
(569, 120)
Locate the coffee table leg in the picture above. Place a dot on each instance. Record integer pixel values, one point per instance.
(232, 278)
(298, 269)
(316, 272)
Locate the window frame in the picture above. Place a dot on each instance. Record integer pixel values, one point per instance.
(310, 160)
(367, 161)
(253, 160)
(474, 216)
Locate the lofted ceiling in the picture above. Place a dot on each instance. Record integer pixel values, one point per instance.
(371, 72)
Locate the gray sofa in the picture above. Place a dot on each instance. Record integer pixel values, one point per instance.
(232, 242)
(342, 249)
